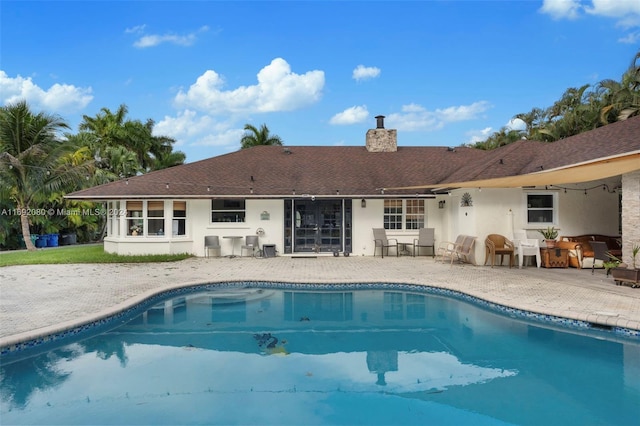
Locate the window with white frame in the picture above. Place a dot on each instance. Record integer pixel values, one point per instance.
(179, 221)
(542, 208)
(135, 219)
(227, 210)
(414, 219)
(403, 214)
(145, 218)
(155, 217)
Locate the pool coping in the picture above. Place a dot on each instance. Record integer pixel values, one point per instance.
(29, 340)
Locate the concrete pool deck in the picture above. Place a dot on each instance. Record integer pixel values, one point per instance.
(38, 300)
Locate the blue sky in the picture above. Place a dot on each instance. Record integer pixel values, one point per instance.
(444, 73)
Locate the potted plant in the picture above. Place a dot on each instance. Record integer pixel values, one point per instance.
(625, 274)
(136, 230)
(550, 234)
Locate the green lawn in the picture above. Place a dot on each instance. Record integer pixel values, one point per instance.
(93, 253)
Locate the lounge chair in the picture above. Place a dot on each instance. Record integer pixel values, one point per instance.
(447, 249)
(380, 239)
(426, 238)
(464, 253)
(498, 245)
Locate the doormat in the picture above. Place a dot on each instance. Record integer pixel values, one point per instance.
(304, 257)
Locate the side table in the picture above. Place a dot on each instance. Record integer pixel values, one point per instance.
(554, 257)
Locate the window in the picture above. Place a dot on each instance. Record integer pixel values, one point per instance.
(145, 218)
(541, 208)
(155, 221)
(392, 214)
(415, 214)
(179, 218)
(229, 210)
(135, 220)
(407, 212)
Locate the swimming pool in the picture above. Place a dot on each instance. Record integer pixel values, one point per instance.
(339, 355)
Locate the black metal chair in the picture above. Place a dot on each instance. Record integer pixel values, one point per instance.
(600, 252)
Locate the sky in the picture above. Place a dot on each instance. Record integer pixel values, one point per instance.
(443, 73)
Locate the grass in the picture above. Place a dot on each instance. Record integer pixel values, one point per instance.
(93, 253)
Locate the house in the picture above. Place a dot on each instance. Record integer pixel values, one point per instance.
(321, 199)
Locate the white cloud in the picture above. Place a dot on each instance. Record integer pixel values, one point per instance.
(185, 125)
(355, 114)
(58, 98)
(559, 9)
(201, 130)
(364, 73)
(626, 12)
(614, 8)
(415, 117)
(516, 124)
(229, 138)
(479, 135)
(278, 89)
(631, 38)
(156, 39)
(135, 30)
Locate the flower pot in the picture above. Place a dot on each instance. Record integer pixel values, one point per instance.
(624, 275)
(550, 243)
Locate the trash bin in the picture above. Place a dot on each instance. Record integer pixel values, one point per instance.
(41, 241)
(269, 250)
(53, 240)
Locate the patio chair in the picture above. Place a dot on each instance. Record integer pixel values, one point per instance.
(380, 239)
(498, 245)
(426, 238)
(600, 250)
(211, 242)
(250, 244)
(464, 252)
(527, 247)
(447, 249)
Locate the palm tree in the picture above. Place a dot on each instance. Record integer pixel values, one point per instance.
(255, 137)
(34, 162)
(113, 130)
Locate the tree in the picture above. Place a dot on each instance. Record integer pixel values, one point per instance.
(113, 134)
(255, 137)
(34, 161)
(621, 99)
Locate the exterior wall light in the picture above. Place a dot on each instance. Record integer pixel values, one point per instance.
(363, 203)
(441, 204)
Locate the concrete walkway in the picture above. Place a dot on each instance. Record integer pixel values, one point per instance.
(43, 299)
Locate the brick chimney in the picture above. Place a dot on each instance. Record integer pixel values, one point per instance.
(381, 139)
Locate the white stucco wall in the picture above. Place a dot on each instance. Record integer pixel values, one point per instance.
(500, 211)
(371, 216)
(200, 225)
(493, 211)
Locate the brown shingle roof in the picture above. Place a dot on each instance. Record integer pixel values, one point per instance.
(351, 170)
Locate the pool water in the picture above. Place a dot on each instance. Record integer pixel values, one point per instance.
(306, 357)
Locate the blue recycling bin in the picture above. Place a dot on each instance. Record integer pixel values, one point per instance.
(52, 241)
(41, 241)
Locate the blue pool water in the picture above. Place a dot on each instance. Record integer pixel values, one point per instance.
(344, 356)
